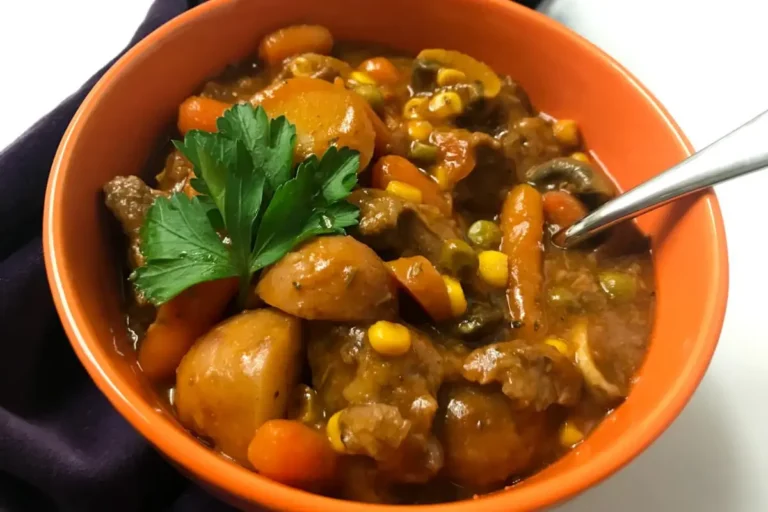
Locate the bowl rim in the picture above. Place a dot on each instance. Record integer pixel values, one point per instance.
(207, 466)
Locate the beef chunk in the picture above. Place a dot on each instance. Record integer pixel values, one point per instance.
(534, 376)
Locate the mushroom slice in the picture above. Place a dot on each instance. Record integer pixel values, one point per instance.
(580, 177)
(586, 364)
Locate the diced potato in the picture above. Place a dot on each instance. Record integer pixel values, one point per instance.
(324, 115)
(332, 278)
(238, 376)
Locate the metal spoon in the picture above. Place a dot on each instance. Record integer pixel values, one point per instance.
(742, 151)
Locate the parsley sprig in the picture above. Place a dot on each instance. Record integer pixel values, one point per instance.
(252, 208)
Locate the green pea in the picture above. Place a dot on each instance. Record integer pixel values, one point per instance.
(422, 152)
(457, 257)
(371, 93)
(561, 297)
(484, 234)
(619, 286)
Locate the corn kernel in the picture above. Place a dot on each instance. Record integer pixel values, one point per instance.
(450, 76)
(333, 431)
(559, 345)
(456, 296)
(570, 434)
(412, 107)
(494, 268)
(405, 191)
(566, 132)
(361, 77)
(446, 104)
(441, 176)
(581, 157)
(389, 338)
(419, 130)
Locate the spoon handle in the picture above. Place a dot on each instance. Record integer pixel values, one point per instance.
(742, 151)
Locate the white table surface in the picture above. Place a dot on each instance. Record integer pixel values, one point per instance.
(704, 59)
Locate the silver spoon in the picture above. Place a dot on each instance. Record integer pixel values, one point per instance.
(742, 151)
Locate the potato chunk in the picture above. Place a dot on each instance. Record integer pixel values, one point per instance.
(331, 278)
(238, 376)
(325, 115)
(484, 439)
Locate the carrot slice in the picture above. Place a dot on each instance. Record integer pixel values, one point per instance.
(562, 209)
(424, 283)
(179, 323)
(382, 70)
(396, 168)
(198, 113)
(522, 227)
(292, 453)
(289, 41)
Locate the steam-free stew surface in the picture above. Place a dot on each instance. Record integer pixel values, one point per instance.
(444, 347)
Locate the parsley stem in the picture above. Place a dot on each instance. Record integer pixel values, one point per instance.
(245, 285)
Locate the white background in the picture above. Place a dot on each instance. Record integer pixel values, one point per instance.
(704, 59)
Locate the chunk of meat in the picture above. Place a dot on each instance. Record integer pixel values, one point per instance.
(533, 376)
(375, 430)
(238, 376)
(618, 342)
(129, 198)
(484, 439)
(529, 141)
(388, 223)
(176, 173)
(379, 211)
(346, 371)
(324, 115)
(331, 278)
(484, 190)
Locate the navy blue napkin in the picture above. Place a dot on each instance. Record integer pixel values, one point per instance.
(62, 445)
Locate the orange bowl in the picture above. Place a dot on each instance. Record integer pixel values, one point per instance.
(120, 122)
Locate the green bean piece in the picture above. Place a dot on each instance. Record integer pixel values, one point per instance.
(457, 257)
(485, 234)
(619, 286)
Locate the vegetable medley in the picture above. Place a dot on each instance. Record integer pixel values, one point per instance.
(345, 277)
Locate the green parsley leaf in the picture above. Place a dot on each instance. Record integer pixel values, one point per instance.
(270, 142)
(308, 205)
(337, 173)
(244, 174)
(243, 197)
(180, 249)
(209, 153)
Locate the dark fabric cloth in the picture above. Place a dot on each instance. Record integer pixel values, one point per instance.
(62, 445)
